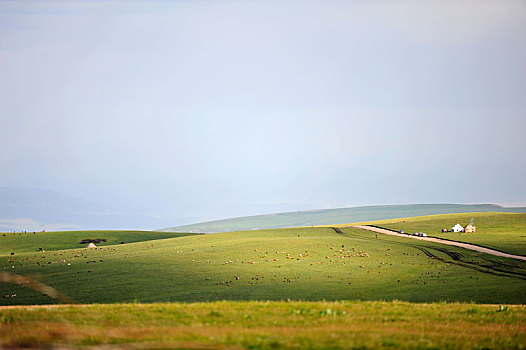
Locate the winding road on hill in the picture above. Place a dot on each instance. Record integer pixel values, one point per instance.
(443, 241)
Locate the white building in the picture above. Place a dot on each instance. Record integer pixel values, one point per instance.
(457, 228)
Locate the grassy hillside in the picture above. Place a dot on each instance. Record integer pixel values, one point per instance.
(301, 264)
(31, 242)
(267, 325)
(336, 216)
(502, 231)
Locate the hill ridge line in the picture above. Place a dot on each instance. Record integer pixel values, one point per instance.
(336, 216)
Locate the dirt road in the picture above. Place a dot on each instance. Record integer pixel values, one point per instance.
(443, 241)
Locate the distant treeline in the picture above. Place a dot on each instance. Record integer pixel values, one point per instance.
(96, 240)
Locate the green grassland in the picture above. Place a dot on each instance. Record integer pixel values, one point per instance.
(308, 288)
(267, 325)
(31, 242)
(501, 231)
(308, 264)
(336, 216)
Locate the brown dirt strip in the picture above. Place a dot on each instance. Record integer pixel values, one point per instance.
(443, 241)
(30, 283)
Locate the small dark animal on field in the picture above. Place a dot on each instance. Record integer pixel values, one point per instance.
(12, 253)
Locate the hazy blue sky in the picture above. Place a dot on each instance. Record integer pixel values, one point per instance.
(197, 110)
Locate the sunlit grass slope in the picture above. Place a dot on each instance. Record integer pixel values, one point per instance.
(31, 242)
(267, 325)
(502, 231)
(300, 264)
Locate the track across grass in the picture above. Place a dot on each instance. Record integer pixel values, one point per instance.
(470, 246)
(502, 231)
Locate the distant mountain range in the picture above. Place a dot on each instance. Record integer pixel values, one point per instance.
(337, 216)
(34, 209)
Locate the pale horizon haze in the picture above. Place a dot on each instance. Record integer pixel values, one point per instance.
(149, 114)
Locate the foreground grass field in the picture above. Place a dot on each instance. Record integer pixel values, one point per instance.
(267, 325)
(302, 264)
(502, 231)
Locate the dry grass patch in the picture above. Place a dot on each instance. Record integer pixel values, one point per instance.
(265, 325)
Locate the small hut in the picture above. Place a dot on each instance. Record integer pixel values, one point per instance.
(91, 245)
(457, 228)
(470, 228)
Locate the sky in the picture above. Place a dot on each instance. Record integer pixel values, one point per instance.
(185, 111)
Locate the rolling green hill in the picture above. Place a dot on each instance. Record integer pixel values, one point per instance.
(32, 242)
(336, 216)
(314, 263)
